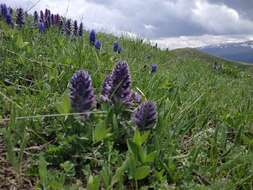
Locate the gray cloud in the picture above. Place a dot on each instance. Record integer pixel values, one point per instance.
(156, 19)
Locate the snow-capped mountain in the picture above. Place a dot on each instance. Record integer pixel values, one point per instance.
(242, 51)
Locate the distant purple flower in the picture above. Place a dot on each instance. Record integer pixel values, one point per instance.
(35, 17)
(92, 37)
(10, 10)
(57, 19)
(41, 26)
(153, 68)
(9, 19)
(52, 19)
(135, 97)
(80, 31)
(42, 16)
(20, 17)
(145, 116)
(68, 27)
(98, 44)
(115, 46)
(81, 92)
(121, 83)
(106, 88)
(4, 10)
(75, 28)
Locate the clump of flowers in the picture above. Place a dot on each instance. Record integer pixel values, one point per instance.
(20, 17)
(92, 37)
(145, 116)
(81, 92)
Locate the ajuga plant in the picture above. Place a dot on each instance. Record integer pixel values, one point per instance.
(81, 93)
(120, 83)
(41, 26)
(4, 10)
(75, 28)
(8, 19)
(145, 115)
(67, 27)
(35, 17)
(98, 44)
(92, 37)
(20, 17)
(80, 30)
(106, 89)
(153, 68)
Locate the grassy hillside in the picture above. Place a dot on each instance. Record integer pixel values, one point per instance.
(202, 139)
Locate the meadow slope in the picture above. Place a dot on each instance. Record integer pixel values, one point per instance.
(203, 138)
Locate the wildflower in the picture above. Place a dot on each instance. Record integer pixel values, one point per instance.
(92, 37)
(9, 19)
(81, 92)
(98, 44)
(68, 27)
(135, 97)
(20, 17)
(115, 46)
(4, 10)
(35, 16)
(144, 117)
(121, 83)
(41, 26)
(153, 68)
(106, 88)
(42, 16)
(75, 27)
(80, 31)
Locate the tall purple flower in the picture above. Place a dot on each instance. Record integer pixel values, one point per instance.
(98, 44)
(153, 68)
(41, 26)
(92, 37)
(75, 27)
(20, 17)
(42, 15)
(106, 88)
(121, 83)
(81, 92)
(35, 17)
(9, 20)
(145, 116)
(68, 27)
(115, 46)
(4, 10)
(80, 31)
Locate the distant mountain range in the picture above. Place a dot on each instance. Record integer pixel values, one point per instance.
(242, 52)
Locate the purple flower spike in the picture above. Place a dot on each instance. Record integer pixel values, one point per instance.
(9, 20)
(81, 92)
(41, 26)
(98, 44)
(35, 16)
(42, 16)
(80, 31)
(145, 116)
(136, 97)
(115, 46)
(153, 68)
(106, 88)
(20, 17)
(4, 10)
(121, 83)
(92, 37)
(75, 28)
(68, 27)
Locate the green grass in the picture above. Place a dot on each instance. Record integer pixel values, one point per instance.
(203, 137)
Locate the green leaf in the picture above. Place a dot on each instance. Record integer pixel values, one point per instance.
(93, 183)
(141, 172)
(63, 104)
(134, 148)
(43, 171)
(139, 138)
(101, 132)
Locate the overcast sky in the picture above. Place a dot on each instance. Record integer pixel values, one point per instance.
(171, 23)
